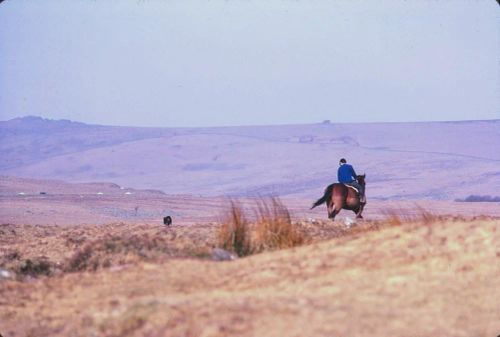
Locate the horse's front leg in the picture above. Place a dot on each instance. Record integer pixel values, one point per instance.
(358, 213)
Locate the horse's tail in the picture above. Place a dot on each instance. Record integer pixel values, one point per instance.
(325, 197)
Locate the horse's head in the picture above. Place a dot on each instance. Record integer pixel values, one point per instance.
(361, 179)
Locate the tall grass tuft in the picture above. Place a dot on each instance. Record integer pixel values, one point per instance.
(274, 228)
(234, 234)
(395, 217)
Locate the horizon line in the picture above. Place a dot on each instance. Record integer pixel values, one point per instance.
(323, 122)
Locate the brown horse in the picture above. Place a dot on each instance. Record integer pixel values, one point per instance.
(338, 196)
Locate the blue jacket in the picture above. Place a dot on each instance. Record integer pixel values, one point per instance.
(346, 174)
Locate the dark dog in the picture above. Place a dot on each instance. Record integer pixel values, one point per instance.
(167, 220)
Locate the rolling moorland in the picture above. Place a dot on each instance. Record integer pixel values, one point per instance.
(83, 251)
(403, 161)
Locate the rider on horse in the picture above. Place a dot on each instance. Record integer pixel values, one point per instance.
(347, 176)
(339, 196)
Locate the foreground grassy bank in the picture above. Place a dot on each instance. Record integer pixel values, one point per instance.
(400, 277)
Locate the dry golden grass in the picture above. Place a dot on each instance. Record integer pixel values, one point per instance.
(273, 229)
(234, 232)
(37, 251)
(396, 217)
(375, 279)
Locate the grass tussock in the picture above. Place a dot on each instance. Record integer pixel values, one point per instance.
(395, 217)
(273, 229)
(81, 260)
(35, 268)
(53, 251)
(117, 250)
(22, 267)
(234, 233)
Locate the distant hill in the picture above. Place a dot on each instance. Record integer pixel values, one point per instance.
(431, 160)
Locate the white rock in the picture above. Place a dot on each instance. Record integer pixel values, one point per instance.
(5, 273)
(219, 254)
(349, 222)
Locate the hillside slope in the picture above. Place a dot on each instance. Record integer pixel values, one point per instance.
(432, 160)
(419, 279)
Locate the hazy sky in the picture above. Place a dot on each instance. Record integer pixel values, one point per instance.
(234, 62)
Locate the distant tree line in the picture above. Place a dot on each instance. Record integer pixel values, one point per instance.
(479, 198)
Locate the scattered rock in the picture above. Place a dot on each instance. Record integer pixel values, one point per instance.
(5, 274)
(349, 222)
(219, 254)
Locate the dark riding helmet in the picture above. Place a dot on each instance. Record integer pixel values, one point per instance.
(342, 161)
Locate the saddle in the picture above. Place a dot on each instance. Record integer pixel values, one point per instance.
(354, 188)
(361, 199)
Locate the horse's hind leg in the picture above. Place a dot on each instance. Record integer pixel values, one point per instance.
(334, 213)
(329, 209)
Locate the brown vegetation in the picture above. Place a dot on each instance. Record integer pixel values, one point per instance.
(36, 251)
(419, 275)
(273, 229)
(234, 232)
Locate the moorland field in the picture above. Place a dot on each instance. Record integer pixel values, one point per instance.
(84, 252)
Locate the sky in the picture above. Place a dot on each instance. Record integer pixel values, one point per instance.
(196, 63)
